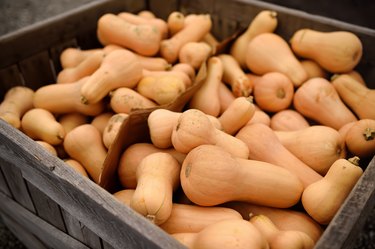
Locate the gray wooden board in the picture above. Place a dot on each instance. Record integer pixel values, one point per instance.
(46, 208)
(28, 239)
(3, 184)
(51, 236)
(56, 51)
(96, 208)
(80, 232)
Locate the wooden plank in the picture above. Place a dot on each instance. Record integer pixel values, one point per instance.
(80, 232)
(17, 185)
(46, 208)
(3, 185)
(117, 224)
(9, 77)
(107, 245)
(56, 51)
(37, 70)
(48, 234)
(23, 235)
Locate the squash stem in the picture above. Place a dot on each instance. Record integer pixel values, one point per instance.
(354, 160)
(369, 134)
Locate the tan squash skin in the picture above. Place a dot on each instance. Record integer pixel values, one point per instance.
(69, 99)
(278, 239)
(357, 76)
(317, 146)
(194, 31)
(40, 124)
(273, 92)
(100, 121)
(120, 68)
(77, 167)
(163, 89)
(227, 178)
(132, 156)
(336, 52)
(360, 138)
(234, 75)
(226, 97)
(175, 22)
(144, 39)
(194, 53)
(239, 234)
(237, 115)
(206, 98)
(185, 68)
(261, 139)
(173, 73)
(194, 128)
(317, 99)
(161, 123)
(157, 176)
(260, 117)
(16, 102)
(71, 120)
(85, 68)
(48, 147)
(146, 14)
(126, 100)
(112, 128)
(158, 23)
(72, 57)
(357, 96)
(313, 69)
(288, 120)
(264, 21)
(269, 52)
(322, 199)
(284, 219)
(124, 196)
(84, 144)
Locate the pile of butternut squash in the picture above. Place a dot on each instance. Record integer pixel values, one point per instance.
(262, 155)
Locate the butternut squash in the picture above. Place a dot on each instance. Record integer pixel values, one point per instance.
(227, 178)
(172, 73)
(124, 196)
(206, 98)
(284, 219)
(288, 120)
(100, 121)
(40, 124)
(71, 120)
(233, 75)
(318, 100)
(359, 98)
(322, 199)
(84, 144)
(278, 239)
(17, 101)
(77, 167)
(260, 117)
(194, 53)
(360, 138)
(237, 115)
(269, 52)
(261, 139)
(157, 171)
(194, 128)
(47, 147)
(112, 128)
(163, 89)
(175, 22)
(317, 146)
(146, 14)
(226, 97)
(144, 39)
(313, 69)
(132, 156)
(120, 68)
(65, 98)
(336, 51)
(273, 92)
(194, 31)
(264, 21)
(357, 76)
(236, 233)
(126, 100)
(85, 68)
(185, 68)
(72, 57)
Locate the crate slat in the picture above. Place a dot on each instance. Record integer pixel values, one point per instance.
(9, 77)
(80, 232)
(56, 51)
(27, 238)
(46, 208)
(3, 184)
(50, 235)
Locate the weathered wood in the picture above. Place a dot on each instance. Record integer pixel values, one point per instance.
(96, 208)
(80, 232)
(56, 51)
(46, 208)
(9, 77)
(23, 235)
(4, 185)
(16, 184)
(48, 234)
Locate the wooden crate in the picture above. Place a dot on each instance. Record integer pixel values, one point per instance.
(51, 206)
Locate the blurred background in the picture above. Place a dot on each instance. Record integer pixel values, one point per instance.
(21, 13)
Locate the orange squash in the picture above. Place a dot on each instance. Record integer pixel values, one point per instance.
(48, 147)
(226, 97)
(112, 128)
(318, 100)
(360, 138)
(77, 167)
(288, 120)
(72, 57)
(100, 121)
(71, 120)
(194, 53)
(227, 178)
(313, 69)
(175, 22)
(260, 117)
